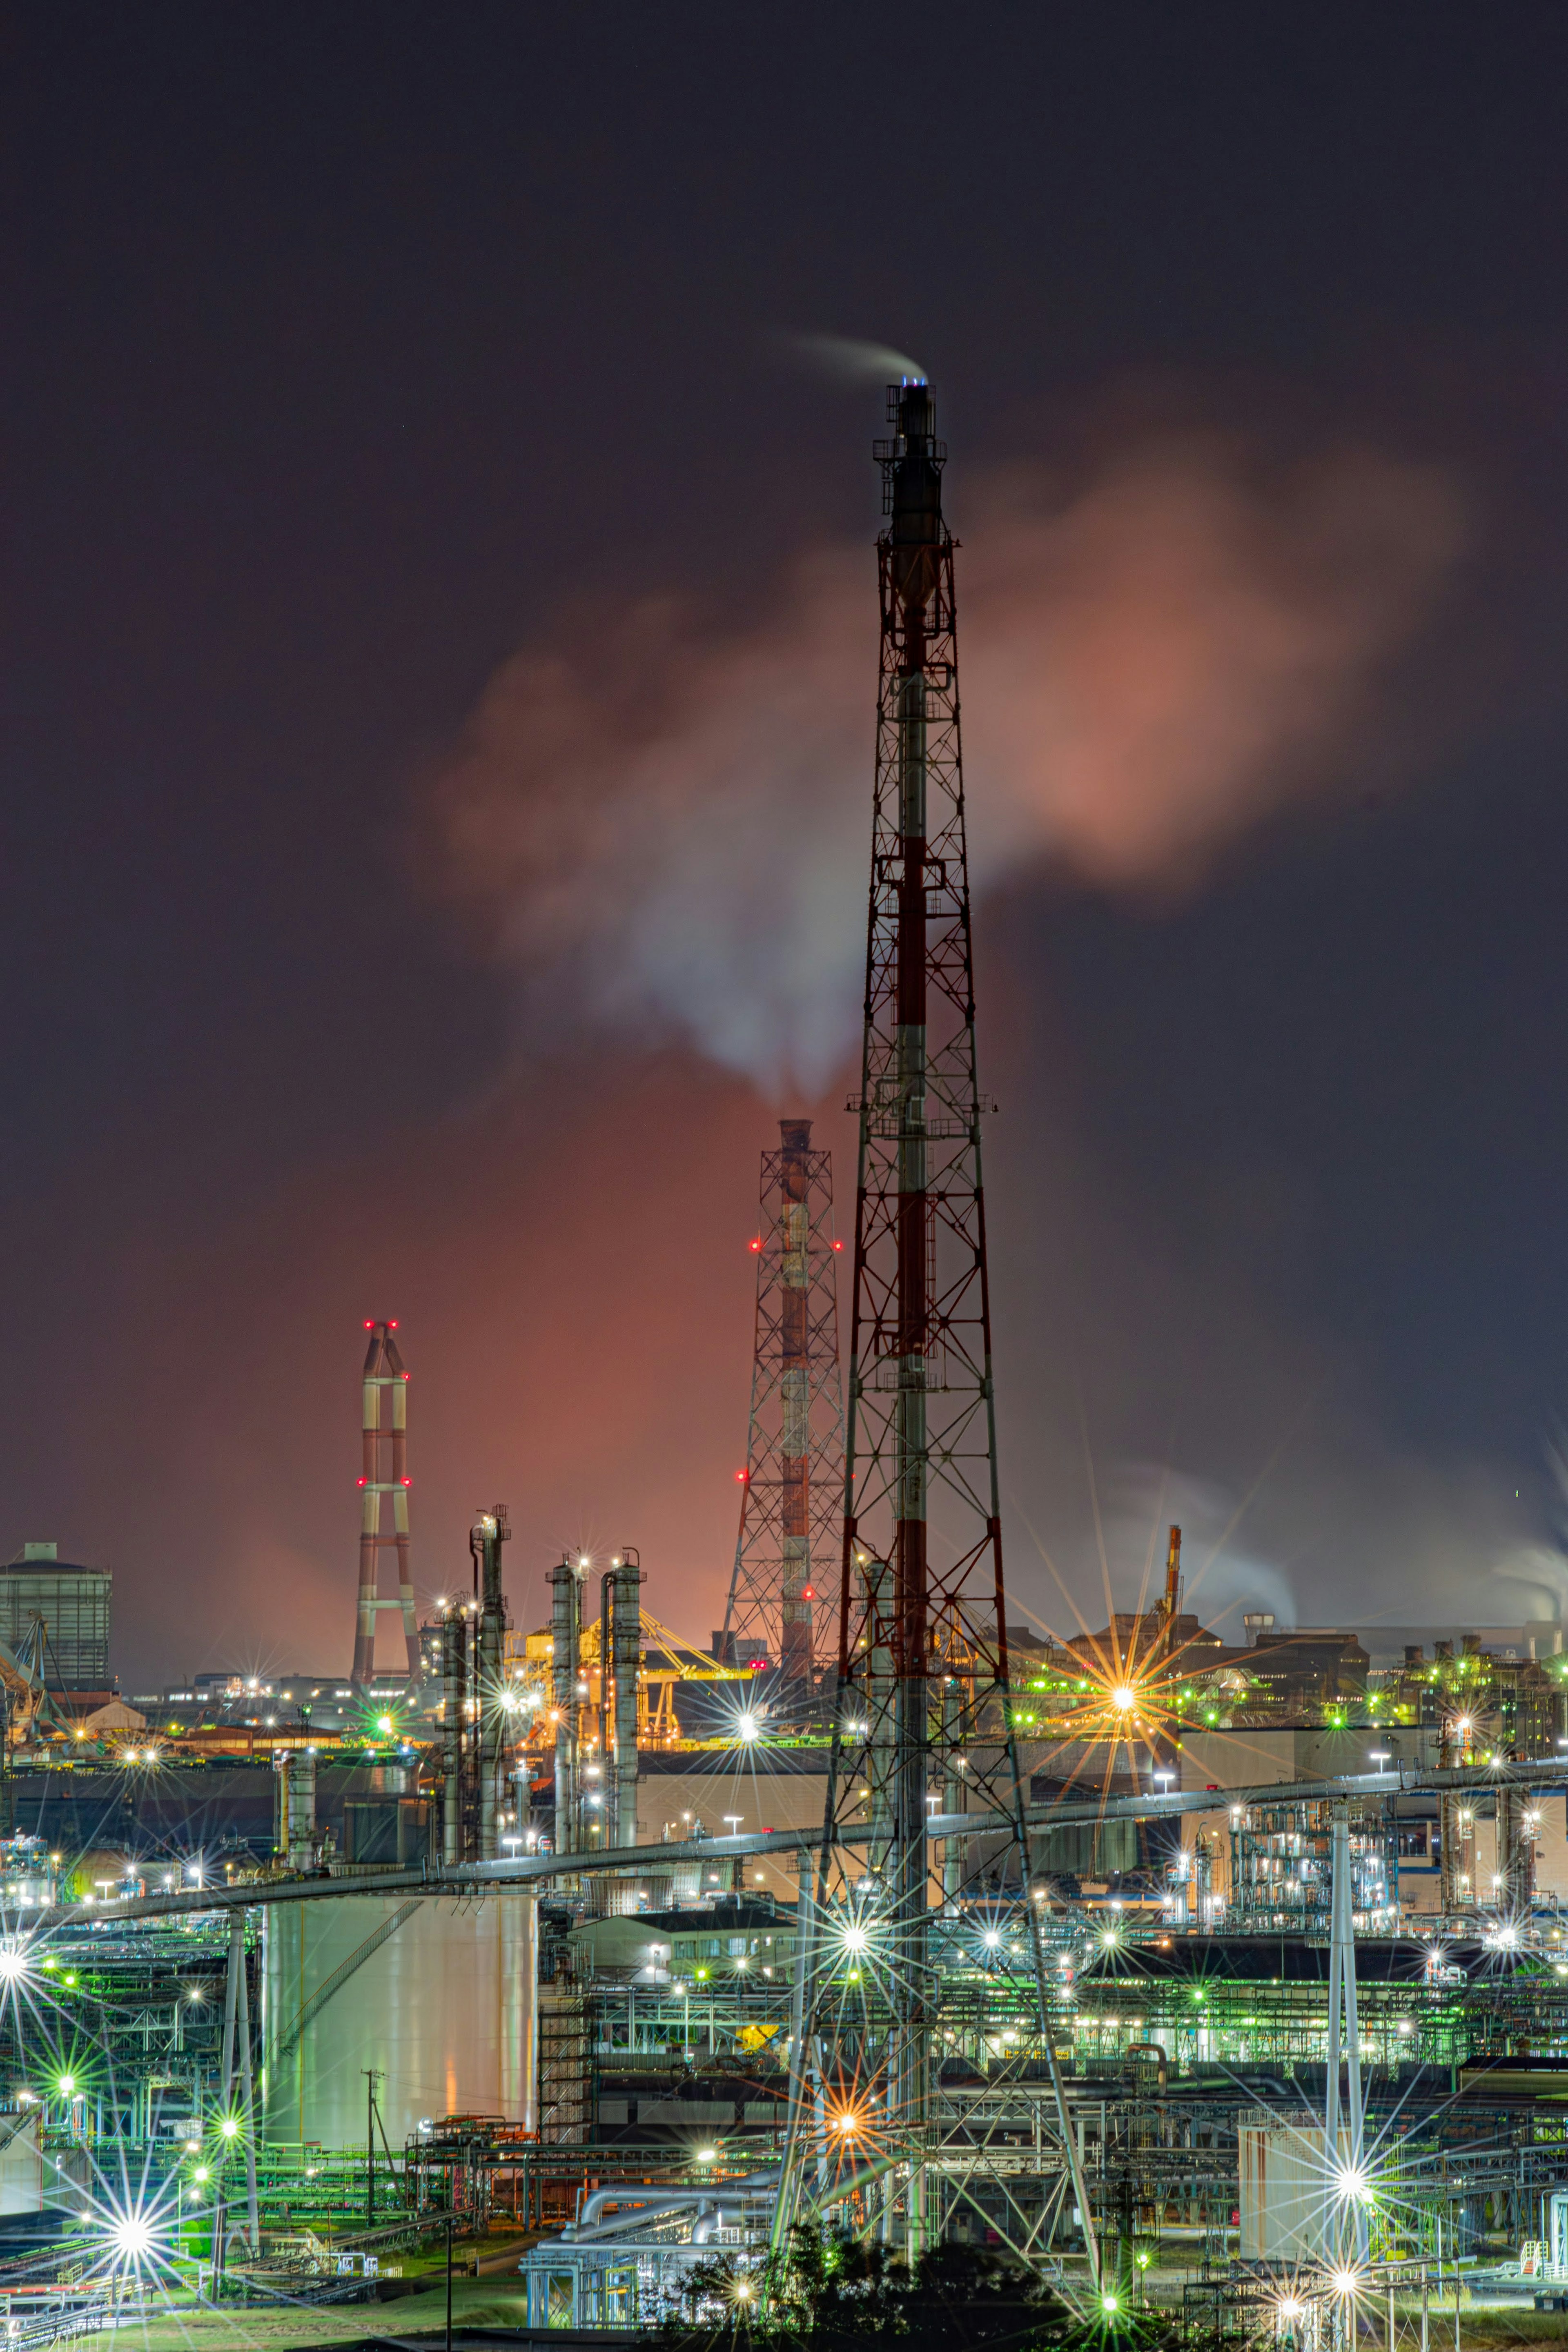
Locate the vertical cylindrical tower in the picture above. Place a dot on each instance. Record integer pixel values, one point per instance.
(455, 1727)
(565, 1641)
(383, 1474)
(489, 1533)
(295, 1833)
(626, 1641)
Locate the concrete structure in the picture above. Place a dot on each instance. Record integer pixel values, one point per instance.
(72, 1603)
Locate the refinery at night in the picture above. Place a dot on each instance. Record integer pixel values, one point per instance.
(783, 1377)
(610, 1955)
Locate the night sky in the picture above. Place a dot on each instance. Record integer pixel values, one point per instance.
(433, 786)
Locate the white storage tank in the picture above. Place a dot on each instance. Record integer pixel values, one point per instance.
(437, 1993)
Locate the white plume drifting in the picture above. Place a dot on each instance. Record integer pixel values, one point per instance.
(670, 816)
(853, 361)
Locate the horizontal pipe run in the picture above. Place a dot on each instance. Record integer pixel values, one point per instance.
(1547, 1774)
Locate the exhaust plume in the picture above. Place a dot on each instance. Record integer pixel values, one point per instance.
(853, 361)
(666, 821)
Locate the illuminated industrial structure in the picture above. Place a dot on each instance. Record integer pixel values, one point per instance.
(792, 1488)
(383, 1474)
(923, 1715)
(1055, 1945)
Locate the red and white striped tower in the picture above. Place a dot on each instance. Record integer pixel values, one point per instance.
(383, 1471)
(924, 1731)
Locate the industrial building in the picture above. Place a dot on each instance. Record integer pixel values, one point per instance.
(64, 1609)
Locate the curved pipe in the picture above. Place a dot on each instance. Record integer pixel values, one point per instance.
(1158, 2050)
(631, 2192)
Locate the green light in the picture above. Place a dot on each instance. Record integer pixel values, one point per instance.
(1108, 2302)
(67, 2085)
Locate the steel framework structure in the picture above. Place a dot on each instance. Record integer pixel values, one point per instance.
(792, 1486)
(383, 1471)
(923, 1717)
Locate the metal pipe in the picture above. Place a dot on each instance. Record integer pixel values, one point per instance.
(1552, 1773)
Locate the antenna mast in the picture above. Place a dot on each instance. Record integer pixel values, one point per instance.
(923, 1725)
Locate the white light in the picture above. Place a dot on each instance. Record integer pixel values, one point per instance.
(1351, 2181)
(856, 1939)
(992, 1937)
(748, 1726)
(131, 2235)
(1344, 2281)
(1124, 1698)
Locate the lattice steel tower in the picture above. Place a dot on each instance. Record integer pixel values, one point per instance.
(923, 1727)
(792, 1486)
(384, 1471)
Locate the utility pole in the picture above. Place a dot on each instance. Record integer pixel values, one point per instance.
(923, 1723)
(373, 2075)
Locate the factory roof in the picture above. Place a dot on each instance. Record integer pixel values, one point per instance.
(1288, 1959)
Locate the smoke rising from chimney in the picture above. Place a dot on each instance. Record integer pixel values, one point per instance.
(666, 821)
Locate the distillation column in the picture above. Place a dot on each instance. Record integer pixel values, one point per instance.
(384, 1473)
(489, 1533)
(625, 1666)
(457, 1644)
(566, 1644)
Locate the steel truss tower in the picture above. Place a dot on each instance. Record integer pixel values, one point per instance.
(923, 1725)
(792, 1486)
(383, 1471)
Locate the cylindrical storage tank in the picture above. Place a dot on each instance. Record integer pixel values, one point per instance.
(622, 1898)
(438, 1996)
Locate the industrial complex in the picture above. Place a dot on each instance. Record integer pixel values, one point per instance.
(1157, 1963)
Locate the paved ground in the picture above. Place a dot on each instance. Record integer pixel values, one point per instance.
(481, 2303)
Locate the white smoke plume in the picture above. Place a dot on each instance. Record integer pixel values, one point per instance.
(671, 815)
(851, 360)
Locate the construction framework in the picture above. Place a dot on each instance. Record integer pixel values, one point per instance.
(792, 1486)
(922, 1718)
(384, 1471)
